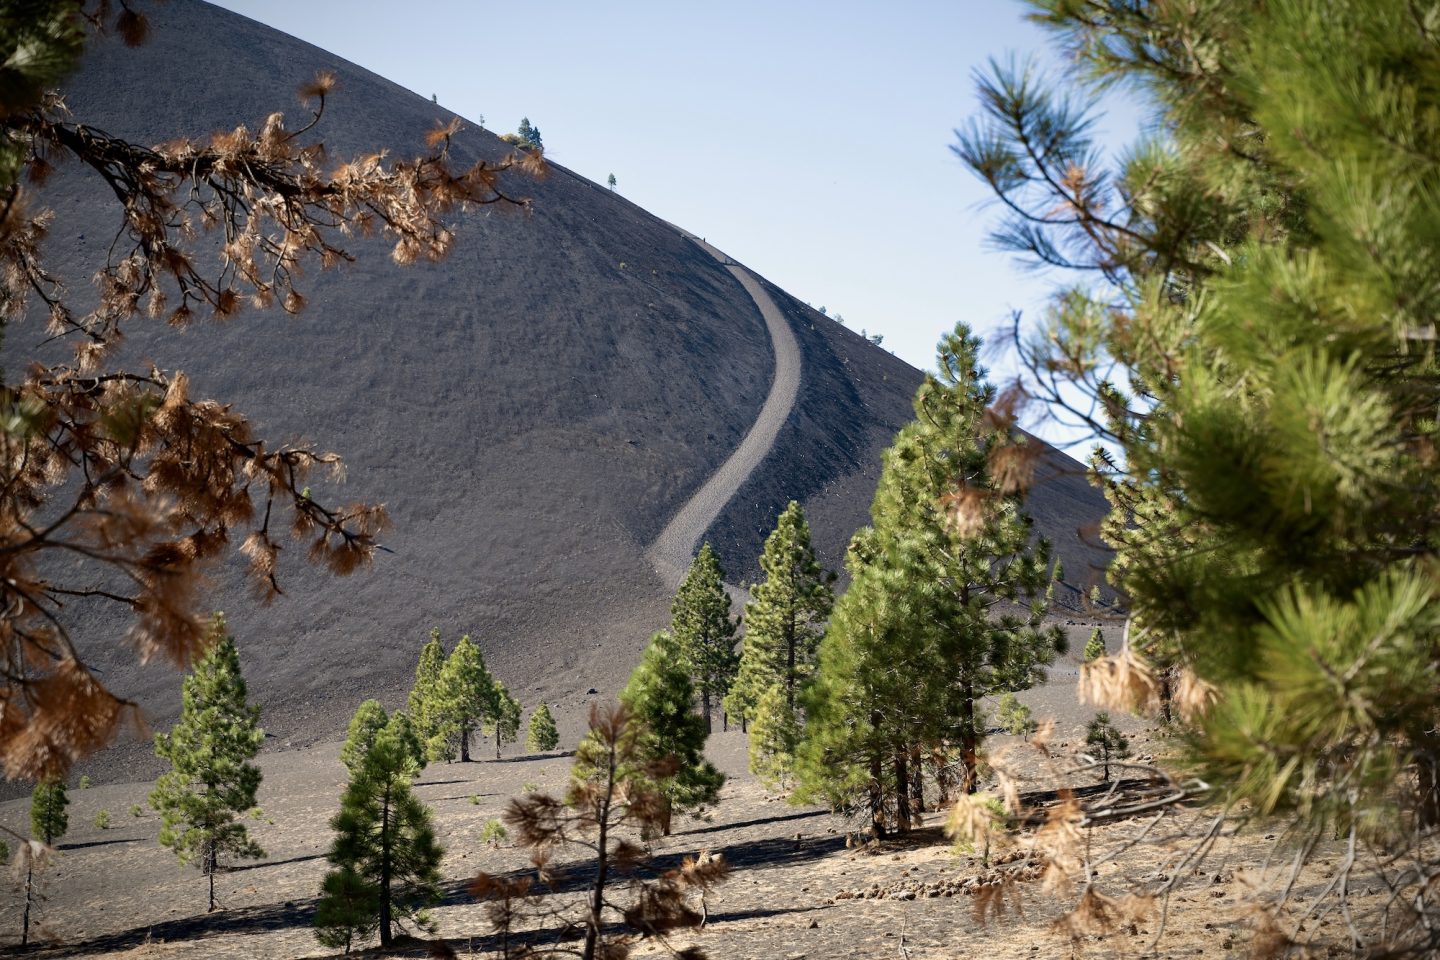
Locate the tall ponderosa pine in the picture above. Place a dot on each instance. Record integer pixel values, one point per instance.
(784, 619)
(423, 704)
(542, 736)
(704, 630)
(504, 725)
(211, 780)
(385, 856)
(951, 602)
(1264, 363)
(464, 700)
(660, 696)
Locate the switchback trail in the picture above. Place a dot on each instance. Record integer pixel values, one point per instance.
(673, 550)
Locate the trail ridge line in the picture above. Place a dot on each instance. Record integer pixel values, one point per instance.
(674, 548)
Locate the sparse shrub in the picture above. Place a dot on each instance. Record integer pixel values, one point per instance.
(494, 833)
(474, 800)
(613, 795)
(102, 819)
(84, 781)
(136, 810)
(529, 787)
(1014, 717)
(1095, 646)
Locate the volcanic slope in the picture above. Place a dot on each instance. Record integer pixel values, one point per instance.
(534, 410)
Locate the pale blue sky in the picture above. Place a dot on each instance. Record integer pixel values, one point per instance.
(810, 140)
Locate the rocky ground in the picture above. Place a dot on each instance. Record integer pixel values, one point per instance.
(803, 883)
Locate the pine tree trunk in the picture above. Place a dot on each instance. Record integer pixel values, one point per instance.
(596, 905)
(724, 720)
(385, 839)
(1167, 695)
(790, 670)
(917, 780)
(902, 791)
(497, 743)
(969, 744)
(29, 897)
(877, 790)
(942, 775)
(210, 874)
(1427, 763)
(705, 706)
(464, 743)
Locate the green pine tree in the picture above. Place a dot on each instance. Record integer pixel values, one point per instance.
(348, 910)
(1106, 742)
(784, 618)
(542, 736)
(422, 705)
(1262, 364)
(49, 820)
(704, 630)
(369, 719)
(464, 700)
(774, 732)
(1095, 646)
(385, 857)
(1013, 716)
(659, 695)
(921, 642)
(504, 724)
(211, 781)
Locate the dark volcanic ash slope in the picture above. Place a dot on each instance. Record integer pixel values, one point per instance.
(532, 411)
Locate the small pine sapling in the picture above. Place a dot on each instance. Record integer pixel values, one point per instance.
(1014, 717)
(773, 735)
(48, 823)
(542, 735)
(1106, 743)
(493, 833)
(1095, 646)
(102, 819)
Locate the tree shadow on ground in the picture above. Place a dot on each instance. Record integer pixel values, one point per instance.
(525, 758)
(249, 920)
(97, 843)
(242, 867)
(269, 918)
(719, 827)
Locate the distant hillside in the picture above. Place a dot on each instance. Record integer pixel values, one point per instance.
(533, 410)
